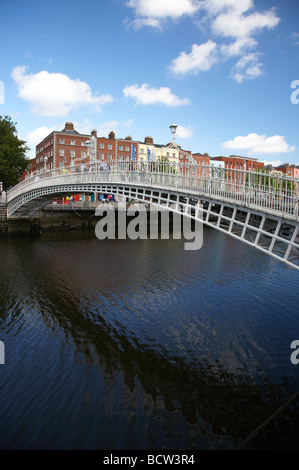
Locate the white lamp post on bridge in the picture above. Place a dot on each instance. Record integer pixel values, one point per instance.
(173, 129)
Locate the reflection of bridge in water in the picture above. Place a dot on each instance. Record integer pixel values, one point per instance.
(257, 208)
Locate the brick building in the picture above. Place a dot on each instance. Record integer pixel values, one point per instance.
(70, 148)
(237, 162)
(289, 170)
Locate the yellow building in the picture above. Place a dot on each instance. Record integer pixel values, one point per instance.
(155, 152)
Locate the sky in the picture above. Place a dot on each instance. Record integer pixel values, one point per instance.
(225, 71)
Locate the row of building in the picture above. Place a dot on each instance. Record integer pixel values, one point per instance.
(68, 147)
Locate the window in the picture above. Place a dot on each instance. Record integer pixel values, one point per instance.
(61, 141)
(127, 149)
(121, 147)
(101, 156)
(141, 150)
(72, 153)
(109, 157)
(61, 153)
(102, 146)
(83, 154)
(109, 147)
(83, 143)
(73, 142)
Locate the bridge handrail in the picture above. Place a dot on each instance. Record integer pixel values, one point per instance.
(276, 192)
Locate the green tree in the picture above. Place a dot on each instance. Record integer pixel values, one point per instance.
(165, 166)
(13, 161)
(262, 179)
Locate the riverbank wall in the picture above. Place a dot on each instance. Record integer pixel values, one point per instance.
(48, 220)
(57, 219)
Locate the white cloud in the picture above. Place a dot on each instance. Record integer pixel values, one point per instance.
(201, 58)
(237, 48)
(259, 144)
(295, 38)
(236, 25)
(106, 127)
(129, 122)
(233, 20)
(36, 136)
(248, 67)
(148, 95)
(55, 94)
(153, 13)
(274, 163)
(183, 132)
(214, 7)
(226, 19)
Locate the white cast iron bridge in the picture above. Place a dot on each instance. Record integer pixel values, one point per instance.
(257, 208)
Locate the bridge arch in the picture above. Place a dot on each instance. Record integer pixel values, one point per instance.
(260, 225)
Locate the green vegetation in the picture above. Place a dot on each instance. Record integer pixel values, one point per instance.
(263, 179)
(13, 161)
(165, 166)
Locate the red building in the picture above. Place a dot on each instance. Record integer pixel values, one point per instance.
(68, 147)
(290, 170)
(236, 162)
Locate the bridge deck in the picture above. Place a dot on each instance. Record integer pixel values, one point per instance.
(259, 209)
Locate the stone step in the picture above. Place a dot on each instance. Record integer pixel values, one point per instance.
(2, 211)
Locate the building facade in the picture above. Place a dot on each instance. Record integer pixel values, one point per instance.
(237, 162)
(289, 170)
(69, 148)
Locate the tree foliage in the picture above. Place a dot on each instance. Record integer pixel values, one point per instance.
(13, 161)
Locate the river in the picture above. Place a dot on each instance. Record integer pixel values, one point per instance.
(123, 344)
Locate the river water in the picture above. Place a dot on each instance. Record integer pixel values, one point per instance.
(122, 344)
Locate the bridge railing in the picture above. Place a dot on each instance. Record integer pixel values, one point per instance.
(274, 192)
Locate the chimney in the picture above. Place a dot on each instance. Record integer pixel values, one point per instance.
(129, 137)
(148, 140)
(94, 133)
(69, 126)
(111, 135)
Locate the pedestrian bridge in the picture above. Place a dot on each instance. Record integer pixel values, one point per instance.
(257, 208)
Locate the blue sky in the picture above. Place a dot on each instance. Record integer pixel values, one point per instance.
(222, 70)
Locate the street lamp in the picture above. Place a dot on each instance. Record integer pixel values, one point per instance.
(91, 149)
(173, 128)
